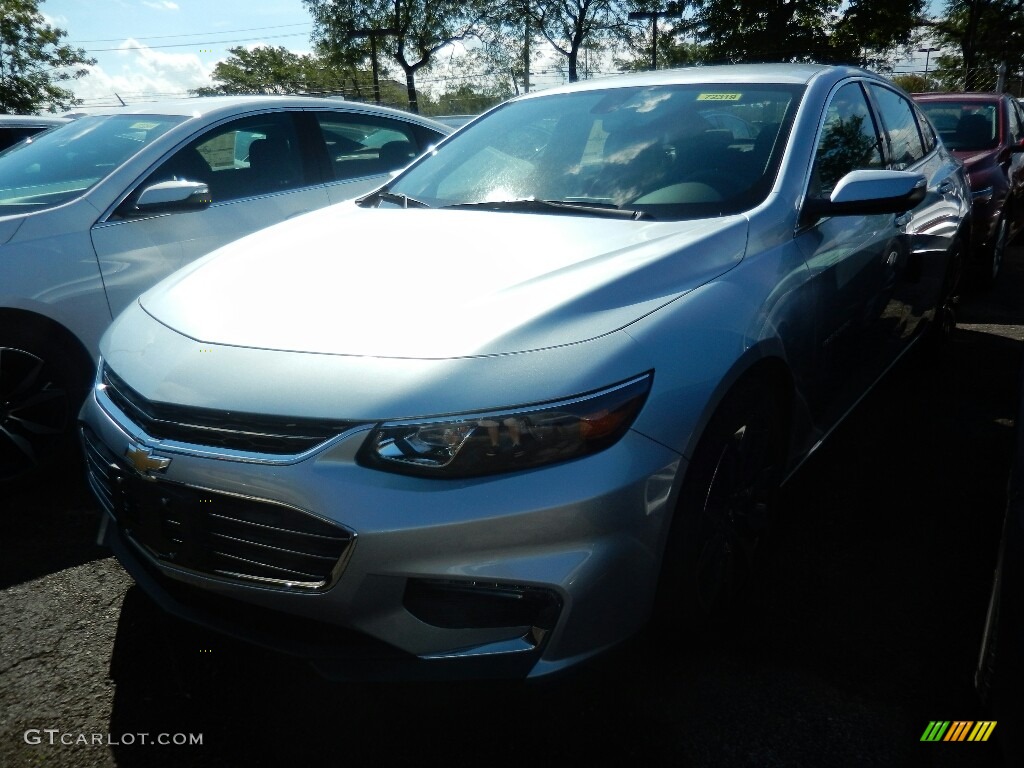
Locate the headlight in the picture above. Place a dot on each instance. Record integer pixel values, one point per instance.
(472, 444)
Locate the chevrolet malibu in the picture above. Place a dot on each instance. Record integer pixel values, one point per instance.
(541, 386)
(96, 211)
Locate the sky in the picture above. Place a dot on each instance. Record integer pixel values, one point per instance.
(150, 49)
(147, 49)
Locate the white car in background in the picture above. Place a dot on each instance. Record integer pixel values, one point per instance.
(98, 210)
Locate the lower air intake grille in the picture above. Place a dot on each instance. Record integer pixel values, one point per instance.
(218, 534)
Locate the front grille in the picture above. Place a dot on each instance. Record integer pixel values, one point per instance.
(214, 533)
(279, 435)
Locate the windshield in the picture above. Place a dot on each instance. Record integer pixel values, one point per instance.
(58, 165)
(963, 125)
(664, 152)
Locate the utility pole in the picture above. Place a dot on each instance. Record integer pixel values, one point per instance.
(526, 49)
(672, 9)
(927, 55)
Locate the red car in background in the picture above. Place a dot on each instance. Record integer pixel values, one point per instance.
(986, 132)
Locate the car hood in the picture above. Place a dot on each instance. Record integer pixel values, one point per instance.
(419, 283)
(975, 158)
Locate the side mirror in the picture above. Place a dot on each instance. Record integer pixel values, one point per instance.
(171, 196)
(866, 193)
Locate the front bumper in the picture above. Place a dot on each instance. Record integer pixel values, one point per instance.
(516, 575)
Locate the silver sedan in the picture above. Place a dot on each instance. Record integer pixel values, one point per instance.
(542, 385)
(96, 211)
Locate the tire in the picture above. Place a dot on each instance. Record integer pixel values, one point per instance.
(726, 506)
(992, 263)
(41, 389)
(940, 331)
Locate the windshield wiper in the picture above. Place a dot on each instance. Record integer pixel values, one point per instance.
(384, 195)
(561, 206)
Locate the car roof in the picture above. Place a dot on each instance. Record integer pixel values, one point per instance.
(215, 106)
(959, 96)
(25, 120)
(724, 74)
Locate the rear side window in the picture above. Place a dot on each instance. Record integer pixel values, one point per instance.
(927, 132)
(900, 124)
(360, 145)
(1016, 123)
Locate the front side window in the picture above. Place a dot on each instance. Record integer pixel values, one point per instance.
(848, 141)
(901, 128)
(671, 152)
(251, 156)
(61, 164)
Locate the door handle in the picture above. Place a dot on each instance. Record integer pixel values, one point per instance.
(946, 187)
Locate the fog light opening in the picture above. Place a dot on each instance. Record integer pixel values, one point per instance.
(484, 605)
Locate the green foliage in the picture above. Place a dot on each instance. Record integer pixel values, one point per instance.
(982, 33)
(34, 61)
(857, 32)
(569, 25)
(410, 32)
(267, 70)
(912, 83)
(466, 100)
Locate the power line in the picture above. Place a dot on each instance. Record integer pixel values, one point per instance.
(190, 34)
(194, 43)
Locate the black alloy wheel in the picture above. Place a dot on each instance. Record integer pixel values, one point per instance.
(38, 399)
(726, 506)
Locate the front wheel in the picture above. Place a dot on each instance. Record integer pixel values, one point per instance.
(726, 505)
(40, 391)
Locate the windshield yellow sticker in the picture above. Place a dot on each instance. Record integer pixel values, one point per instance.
(719, 96)
(144, 126)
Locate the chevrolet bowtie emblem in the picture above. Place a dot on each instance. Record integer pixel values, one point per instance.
(142, 458)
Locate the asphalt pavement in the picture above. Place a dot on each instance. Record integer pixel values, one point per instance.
(862, 628)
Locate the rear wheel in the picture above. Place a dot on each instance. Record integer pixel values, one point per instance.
(992, 264)
(726, 505)
(40, 392)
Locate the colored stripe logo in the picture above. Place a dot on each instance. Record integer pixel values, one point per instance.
(958, 730)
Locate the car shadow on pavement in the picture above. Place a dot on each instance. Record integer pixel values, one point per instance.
(48, 526)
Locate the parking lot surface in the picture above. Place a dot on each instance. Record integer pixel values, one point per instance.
(862, 628)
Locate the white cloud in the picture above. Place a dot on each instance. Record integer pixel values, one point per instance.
(161, 5)
(139, 73)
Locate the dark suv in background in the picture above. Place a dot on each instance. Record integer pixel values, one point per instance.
(985, 131)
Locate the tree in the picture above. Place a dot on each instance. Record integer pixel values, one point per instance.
(269, 70)
(913, 83)
(674, 50)
(983, 33)
(570, 24)
(860, 31)
(34, 61)
(410, 31)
